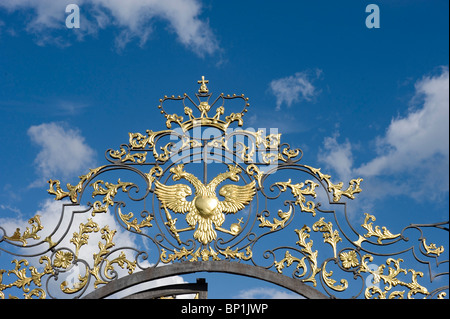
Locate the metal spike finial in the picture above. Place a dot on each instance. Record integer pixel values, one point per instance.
(203, 89)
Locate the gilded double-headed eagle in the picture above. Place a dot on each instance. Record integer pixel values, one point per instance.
(205, 210)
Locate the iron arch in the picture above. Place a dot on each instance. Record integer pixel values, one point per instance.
(206, 266)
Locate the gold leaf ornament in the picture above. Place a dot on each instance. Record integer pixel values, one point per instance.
(336, 189)
(110, 191)
(299, 193)
(28, 233)
(381, 234)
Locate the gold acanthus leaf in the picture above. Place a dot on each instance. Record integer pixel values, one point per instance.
(432, 248)
(81, 238)
(381, 234)
(329, 236)
(289, 153)
(256, 173)
(236, 254)
(73, 190)
(289, 260)
(28, 233)
(110, 191)
(140, 141)
(336, 189)
(299, 192)
(276, 222)
(205, 254)
(134, 223)
(326, 276)
(391, 280)
(303, 234)
(23, 281)
(123, 156)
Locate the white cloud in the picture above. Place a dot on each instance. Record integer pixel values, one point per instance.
(13, 209)
(70, 107)
(63, 153)
(337, 156)
(295, 88)
(48, 12)
(413, 155)
(134, 18)
(421, 136)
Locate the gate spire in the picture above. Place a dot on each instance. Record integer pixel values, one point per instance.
(203, 89)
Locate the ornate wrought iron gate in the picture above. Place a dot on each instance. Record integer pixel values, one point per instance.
(206, 197)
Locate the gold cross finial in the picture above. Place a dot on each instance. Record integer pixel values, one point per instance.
(203, 88)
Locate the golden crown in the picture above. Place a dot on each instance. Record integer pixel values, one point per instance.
(203, 105)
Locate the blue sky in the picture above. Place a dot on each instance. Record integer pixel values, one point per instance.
(359, 102)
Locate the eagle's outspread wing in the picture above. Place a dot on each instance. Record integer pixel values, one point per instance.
(174, 197)
(236, 197)
(179, 173)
